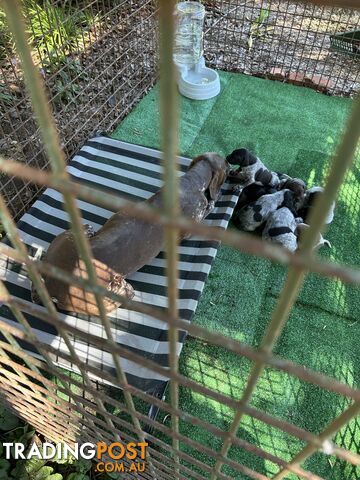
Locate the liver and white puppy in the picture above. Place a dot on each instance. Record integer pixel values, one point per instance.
(251, 193)
(286, 230)
(251, 169)
(253, 215)
(123, 244)
(310, 196)
(280, 228)
(297, 186)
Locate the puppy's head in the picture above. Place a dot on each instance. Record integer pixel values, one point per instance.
(297, 186)
(220, 169)
(312, 194)
(241, 157)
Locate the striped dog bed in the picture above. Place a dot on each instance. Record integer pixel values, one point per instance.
(135, 173)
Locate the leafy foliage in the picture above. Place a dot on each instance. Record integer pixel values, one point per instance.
(66, 86)
(5, 36)
(55, 29)
(259, 28)
(35, 469)
(14, 430)
(5, 97)
(78, 476)
(4, 468)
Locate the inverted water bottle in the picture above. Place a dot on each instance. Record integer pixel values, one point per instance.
(188, 48)
(195, 80)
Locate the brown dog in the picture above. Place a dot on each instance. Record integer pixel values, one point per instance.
(124, 244)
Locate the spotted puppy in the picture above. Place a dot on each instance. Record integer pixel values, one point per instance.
(298, 187)
(310, 197)
(281, 227)
(251, 193)
(251, 169)
(253, 215)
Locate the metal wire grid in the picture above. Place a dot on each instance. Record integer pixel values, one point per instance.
(87, 414)
(109, 65)
(93, 81)
(258, 37)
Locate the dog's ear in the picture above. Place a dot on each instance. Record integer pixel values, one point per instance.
(289, 201)
(220, 170)
(263, 176)
(218, 178)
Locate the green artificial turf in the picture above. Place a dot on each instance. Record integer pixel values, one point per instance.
(293, 130)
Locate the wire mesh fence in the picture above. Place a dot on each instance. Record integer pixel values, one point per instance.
(97, 59)
(76, 408)
(286, 41)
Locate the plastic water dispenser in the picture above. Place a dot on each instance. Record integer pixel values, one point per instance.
(195, 80)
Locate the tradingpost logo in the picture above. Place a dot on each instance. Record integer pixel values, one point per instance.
(124, 457)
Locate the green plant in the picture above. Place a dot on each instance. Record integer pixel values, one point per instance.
(34, 469)
(56, 29)
(77, 476)
(7, 420)
(5, 36)
(258, 28)
(66, 86)
(5, 96)
(14, 430)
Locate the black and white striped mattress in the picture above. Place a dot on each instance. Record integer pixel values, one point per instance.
(135, 173)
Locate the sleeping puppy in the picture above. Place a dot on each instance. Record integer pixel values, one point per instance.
(310, 196)
(251, 193)
(298, 187)
(280, 228)
(285, 230)
(251, 169)
(252, 216)
(124, 244)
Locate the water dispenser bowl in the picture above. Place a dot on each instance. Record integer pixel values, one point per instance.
(198, 82)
